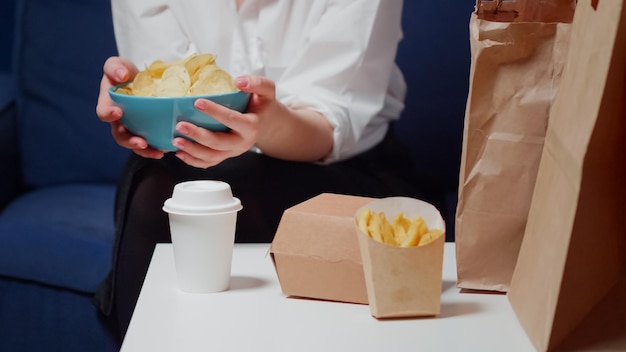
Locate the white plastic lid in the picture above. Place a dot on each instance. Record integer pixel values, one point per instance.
(202, 197)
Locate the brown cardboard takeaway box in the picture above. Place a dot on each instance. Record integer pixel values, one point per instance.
(316, 250)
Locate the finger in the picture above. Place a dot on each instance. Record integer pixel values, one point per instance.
(222, 141)
(201, 156)
(116, 70)
(149, 153)
(119, 70)
(126, 139)
(210, 157)
(106, 109)
(236, 121)
(258, 85)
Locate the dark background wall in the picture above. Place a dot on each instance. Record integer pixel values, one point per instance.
(435, 59)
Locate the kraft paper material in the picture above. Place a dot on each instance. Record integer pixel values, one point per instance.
(569, 284)
(515, 73)
(403, 282)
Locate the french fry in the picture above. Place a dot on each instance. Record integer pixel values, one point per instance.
(374, 228)
(363, 219)
(401, 231)
(387, 231)
(429, 237)
(400, 228)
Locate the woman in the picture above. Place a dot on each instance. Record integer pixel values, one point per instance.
(324, 92)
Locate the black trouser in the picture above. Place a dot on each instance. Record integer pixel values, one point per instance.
(265, 186)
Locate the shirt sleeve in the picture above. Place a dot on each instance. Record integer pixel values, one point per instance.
(147, 30)
(346, 70)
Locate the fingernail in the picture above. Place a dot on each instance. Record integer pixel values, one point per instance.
(120, 74)
(242, 81)
(182, 129)
(176, 143)
(201, 104)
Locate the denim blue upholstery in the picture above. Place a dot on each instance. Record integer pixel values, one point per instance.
(59, 236)
(59, 164)
(59, 171)
(37, 317)
(59, 50)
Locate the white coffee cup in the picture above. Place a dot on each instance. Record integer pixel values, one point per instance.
(203, 218)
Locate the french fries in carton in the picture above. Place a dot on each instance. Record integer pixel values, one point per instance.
(401, 241)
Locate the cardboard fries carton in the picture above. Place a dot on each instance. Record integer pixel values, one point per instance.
(316, 253)
(403, 281)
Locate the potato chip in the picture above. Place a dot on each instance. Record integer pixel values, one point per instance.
(157, 68)
(212, 80)
(174, 82)
(195, 75)
(195, 63)
(143, 85)
(174, 87)
(124, 90)
(177, 73)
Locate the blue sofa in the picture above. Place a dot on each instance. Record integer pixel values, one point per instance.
(60, 165)
(59, 171)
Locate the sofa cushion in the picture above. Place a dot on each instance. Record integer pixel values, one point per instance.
(44, 318)
(9, 157)
(60, 236)
(58, 73)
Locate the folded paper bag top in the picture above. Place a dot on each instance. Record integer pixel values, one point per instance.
(403, 281)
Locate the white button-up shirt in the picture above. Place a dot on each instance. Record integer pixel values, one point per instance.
(336, 57)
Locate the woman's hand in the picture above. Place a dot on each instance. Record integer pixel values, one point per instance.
(280, 132)
(119, 70)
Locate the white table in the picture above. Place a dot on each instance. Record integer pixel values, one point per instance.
(254, 315)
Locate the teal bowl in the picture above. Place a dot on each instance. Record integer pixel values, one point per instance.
(155, 118)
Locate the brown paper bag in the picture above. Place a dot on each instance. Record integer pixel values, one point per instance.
(569, 285)
(526, 10)
(403, 281)
(515, 72)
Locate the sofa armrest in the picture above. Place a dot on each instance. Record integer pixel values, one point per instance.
(8, 91)
(9, 150)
